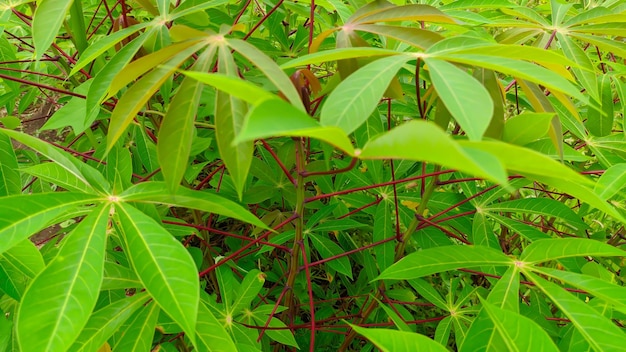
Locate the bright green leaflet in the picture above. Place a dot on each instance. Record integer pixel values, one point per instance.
(602, 335)
(35, 213)
(467, 100)
(163, 265)
(47, 20)
(438, 259)
(139, 329)
(278, 118)
(105, 321)
(356, 97)
(399, 341)
(556, 248)
(59, 301)
(177, 128)
(611, 182)
(210, 333)
(153, 192)
(423, 141)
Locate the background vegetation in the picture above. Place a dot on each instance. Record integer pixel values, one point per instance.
(316, 174)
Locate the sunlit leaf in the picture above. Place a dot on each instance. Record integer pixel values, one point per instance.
(49, 16)
(35, 212)
(388, 340)
(422, 141)
(356, 97)
(555, 248)
(105, 321)
(467, 100)
(70, 285)
(602, 335)
(278, 118)
(439, 259)
(611, 182)
(163, 265)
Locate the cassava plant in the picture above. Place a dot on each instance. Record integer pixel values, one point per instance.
(312, 175)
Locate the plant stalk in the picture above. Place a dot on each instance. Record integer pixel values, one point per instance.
(298, 240)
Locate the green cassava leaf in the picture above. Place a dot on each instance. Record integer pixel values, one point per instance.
(249, 288)
(602, 335)
(517, 333)
(611, 182)
(106, 320)
(211, 335)
(611, 293)
(278, 118)
(10, 182)
(467, 100)
(177, 128)
(163, 265)
(139, 329)
(35, 212)
(399, 341)
(356, 97)
(525, 128)
(96, 49)
(438, 259)
(47, 20)
(542, 206)
(337, 54)
(155, 192)
(70, 285)
(556, 248)
(422, 141)
(327, 249)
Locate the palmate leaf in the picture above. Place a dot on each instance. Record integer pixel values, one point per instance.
(505, 293)
(467, 100)
(356, 97)
(249, 288)
(556, 248)
(388, 340)
(444, 258)
(155, 192)
(177, 128)
(609, 292)
(47, 20)
(210, 333)
(278, 118)
(505, 330)
(106, 320)
(136, 96)
(601, 334)
(57, 304)
(10, 182)
(327, 249)
(81, 172)
(163, 265)
(34, 213)
(139, 329)
(423, 141)
(229, 118)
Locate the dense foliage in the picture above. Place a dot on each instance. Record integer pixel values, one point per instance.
(317, 174)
